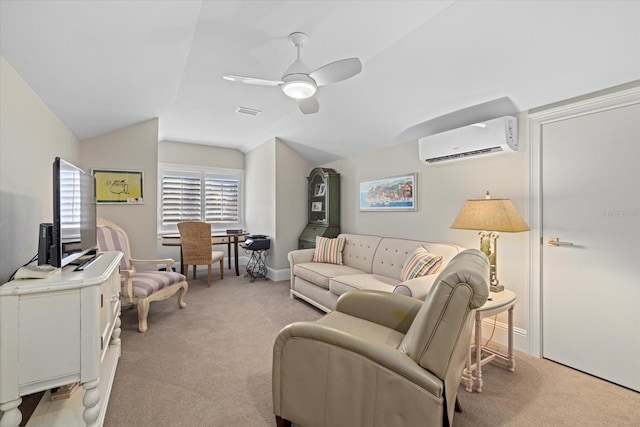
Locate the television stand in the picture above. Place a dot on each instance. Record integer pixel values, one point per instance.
(84, 261)
(57, 331)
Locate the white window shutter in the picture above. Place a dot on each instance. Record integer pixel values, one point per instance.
(70, 200)
(181, 198)
(222, 204)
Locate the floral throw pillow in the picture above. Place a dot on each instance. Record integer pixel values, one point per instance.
(329, 250)
(420, 263)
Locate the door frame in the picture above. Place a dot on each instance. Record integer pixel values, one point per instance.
(617, 97)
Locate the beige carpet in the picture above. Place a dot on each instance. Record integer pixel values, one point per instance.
(210, 365)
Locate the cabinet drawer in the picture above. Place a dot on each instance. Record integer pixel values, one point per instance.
(305, 244)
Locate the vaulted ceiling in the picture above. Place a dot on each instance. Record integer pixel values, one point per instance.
(103, 65)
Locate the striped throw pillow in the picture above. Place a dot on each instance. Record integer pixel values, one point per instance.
(329, 250)
(420, 263)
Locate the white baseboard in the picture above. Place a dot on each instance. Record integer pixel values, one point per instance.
(501, 335)
(278, 275)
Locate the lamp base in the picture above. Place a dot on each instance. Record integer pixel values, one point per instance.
(496, 288)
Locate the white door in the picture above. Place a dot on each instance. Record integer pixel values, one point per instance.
(591, 199)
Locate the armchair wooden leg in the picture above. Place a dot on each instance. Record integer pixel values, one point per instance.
(208, 275)
(281, 422)
(143, 312)
(222, 269)
(195, 267)
(183, 290)
(458, 407)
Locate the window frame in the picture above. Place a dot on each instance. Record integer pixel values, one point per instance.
(203, 172)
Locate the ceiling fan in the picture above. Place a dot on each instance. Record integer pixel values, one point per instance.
(299, 82)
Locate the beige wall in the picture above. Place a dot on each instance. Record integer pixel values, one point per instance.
(31, 136)
(132, 148)
(261, 190)
(276, 198)
(200, 155)
(442, 191)
(291, 206)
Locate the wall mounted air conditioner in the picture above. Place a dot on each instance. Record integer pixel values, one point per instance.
(493, 136)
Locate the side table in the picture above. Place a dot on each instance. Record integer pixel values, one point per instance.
(472, 374)
(258, 246)
(256, 267)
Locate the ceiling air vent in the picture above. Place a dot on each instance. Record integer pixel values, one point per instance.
(249, 111)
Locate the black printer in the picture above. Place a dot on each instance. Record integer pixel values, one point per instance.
(257, 242)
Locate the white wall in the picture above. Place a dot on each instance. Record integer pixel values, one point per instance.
(442, 191)
(132, 148)
(31, 136)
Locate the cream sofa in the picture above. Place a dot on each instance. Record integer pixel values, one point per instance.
(369, 263)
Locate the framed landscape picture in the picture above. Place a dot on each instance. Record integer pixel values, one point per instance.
(396, 193)
(117, 186)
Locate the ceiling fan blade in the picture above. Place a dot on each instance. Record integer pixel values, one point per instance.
(336, 71)
(252, 80)
(308, 105)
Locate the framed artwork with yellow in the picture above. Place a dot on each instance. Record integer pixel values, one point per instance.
(119, 186)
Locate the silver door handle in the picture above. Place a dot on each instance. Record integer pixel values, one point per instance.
(555, 242)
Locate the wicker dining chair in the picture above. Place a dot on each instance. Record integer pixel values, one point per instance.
(195, 238)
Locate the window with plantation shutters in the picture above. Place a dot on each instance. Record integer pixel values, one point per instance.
(199, 194)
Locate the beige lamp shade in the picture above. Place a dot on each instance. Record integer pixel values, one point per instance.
(491, 215)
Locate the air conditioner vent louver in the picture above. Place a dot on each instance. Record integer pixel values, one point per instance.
(463, 155)
(490, 137)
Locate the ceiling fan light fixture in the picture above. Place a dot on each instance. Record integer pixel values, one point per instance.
(299, 86)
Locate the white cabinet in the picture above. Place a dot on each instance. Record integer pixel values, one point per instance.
(56, 331)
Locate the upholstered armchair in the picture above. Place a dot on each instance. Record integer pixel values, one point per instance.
(195, 238)
(140, 287)
(381, 359)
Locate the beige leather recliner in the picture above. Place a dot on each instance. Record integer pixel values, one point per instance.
(381, 359)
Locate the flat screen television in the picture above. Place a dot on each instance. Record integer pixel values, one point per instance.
(74, 215)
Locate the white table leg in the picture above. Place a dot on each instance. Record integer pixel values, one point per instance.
(12, 415)
(467, 375)
(478, 372)
(511, 360)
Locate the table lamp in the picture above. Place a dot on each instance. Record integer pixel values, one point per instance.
(490, 216)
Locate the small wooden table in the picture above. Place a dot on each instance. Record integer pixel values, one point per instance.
(499, 302)
(217, 238)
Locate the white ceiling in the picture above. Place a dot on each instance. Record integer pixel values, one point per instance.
(103, 65)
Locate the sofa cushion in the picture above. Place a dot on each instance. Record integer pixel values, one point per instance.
(393, 253)
(354, 282)
(319, 273)
(329, 250)
(420, 263)
(359, 251)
